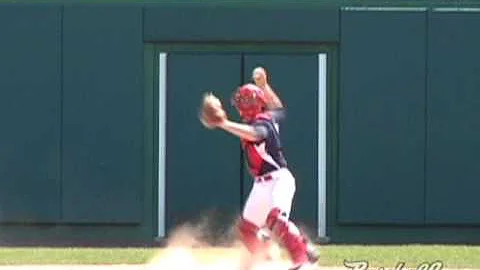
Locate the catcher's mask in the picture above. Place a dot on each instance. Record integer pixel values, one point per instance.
(249, 100)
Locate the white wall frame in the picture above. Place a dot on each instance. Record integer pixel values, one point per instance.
(162, 94)
(322, 145)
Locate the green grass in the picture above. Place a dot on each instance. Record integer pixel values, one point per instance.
(331, 255)
(15, 256)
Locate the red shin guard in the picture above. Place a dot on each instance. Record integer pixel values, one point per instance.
(288, 235)
(249, 236)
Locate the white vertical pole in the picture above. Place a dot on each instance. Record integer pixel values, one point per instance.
(162, 93)
(322, 144)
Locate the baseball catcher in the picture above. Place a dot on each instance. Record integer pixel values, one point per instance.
(270, 199)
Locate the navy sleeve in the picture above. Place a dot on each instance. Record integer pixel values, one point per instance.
(261, 129)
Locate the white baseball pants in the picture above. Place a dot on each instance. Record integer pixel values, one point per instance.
(266, 195)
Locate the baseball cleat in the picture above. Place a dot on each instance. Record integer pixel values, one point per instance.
(312, 259)
(312, 254)
(304, 266)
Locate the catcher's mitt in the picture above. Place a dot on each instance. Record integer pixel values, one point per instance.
(211, 111)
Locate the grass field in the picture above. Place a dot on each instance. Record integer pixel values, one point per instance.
(18, 256)
(331, 255)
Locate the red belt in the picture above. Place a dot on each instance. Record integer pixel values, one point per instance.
(264, 178)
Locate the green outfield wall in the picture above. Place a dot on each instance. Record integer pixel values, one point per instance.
(100, 138)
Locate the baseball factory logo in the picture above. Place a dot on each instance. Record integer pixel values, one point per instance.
(364, 265)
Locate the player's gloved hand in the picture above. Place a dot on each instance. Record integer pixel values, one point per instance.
(211, 112)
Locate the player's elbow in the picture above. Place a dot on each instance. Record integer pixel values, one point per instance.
(278, 114)
(253, 137)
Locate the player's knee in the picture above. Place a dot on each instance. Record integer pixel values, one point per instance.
(275, 216)
(246, 227)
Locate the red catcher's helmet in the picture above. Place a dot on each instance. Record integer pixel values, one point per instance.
(249, 100)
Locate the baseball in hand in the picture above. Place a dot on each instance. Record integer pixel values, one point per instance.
(259, 76)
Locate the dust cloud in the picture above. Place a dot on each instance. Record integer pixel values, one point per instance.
(190, 247)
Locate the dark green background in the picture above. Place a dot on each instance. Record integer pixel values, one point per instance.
(203, 168)
(382, 119)
(77, 103)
